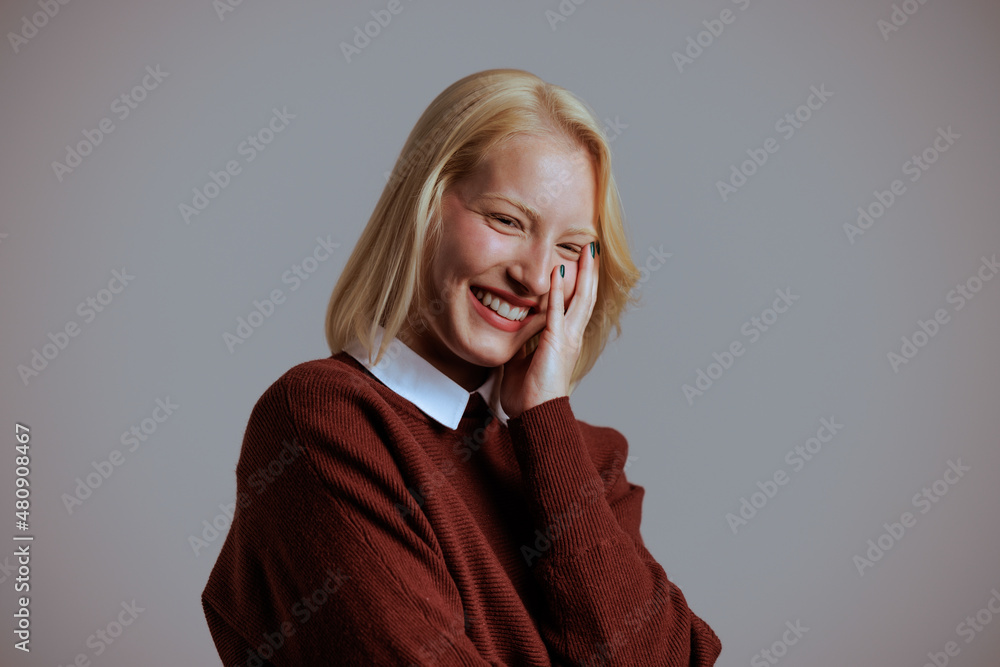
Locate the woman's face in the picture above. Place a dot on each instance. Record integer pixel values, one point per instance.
(490, 242)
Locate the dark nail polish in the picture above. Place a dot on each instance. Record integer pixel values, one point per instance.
(562, 270)
(598, 247)
(591, 248)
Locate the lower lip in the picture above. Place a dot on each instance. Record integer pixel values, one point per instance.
(501, 323)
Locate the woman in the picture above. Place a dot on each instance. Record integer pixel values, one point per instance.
(426, 495)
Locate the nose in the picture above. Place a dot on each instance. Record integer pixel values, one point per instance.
(531, 269)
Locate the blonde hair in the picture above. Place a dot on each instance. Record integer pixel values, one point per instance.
(474, 115)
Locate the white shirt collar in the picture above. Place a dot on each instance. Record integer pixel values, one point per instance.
(415, 379)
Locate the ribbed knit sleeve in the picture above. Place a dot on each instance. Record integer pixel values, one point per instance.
(609, 602)
(319, 567)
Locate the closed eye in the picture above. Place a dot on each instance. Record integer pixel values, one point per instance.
(502, 219)
(508, 222)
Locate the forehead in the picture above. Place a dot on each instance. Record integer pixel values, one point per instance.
(548, 175)
(533, 156)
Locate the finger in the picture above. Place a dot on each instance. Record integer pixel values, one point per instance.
(585, 295)
(554, 318)
(590, 288)
(595, 274)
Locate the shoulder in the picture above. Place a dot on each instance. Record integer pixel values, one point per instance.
(323, 404)
(337, 372)
(320, 382)
(327, 413)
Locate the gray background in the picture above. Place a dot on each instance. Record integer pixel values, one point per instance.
(162, 336)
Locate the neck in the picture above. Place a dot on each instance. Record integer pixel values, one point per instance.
(469, 376)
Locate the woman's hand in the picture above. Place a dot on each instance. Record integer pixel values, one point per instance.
(530, 380)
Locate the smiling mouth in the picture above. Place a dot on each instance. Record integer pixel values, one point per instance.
(527, 311)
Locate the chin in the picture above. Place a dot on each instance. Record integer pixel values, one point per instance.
(491, 359)
(491, 354)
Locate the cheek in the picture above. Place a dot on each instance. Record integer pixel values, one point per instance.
(486, 243)
(455, 259)
(470, 245)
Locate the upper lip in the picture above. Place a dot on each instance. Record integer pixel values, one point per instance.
(508, 297)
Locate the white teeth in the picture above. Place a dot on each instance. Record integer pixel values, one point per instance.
(501, 307)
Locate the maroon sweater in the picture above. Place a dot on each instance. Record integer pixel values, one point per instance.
(366, 533)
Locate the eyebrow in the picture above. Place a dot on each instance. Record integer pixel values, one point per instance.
(532, 213)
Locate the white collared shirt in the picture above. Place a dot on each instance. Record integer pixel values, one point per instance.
(418, 381)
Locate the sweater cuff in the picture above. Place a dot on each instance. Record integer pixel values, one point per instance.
(566, 493)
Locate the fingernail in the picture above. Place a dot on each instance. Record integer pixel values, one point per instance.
(562, 270)
(598, 247)
(591, 248)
